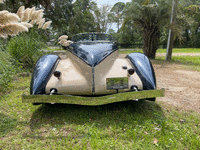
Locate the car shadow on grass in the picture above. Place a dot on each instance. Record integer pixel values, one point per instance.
(118, 115)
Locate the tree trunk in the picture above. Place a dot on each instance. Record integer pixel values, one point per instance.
(151, 39)
(171, 32)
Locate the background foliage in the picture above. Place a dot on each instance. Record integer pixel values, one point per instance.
(7, 68)
(26, 48)
(85, 16)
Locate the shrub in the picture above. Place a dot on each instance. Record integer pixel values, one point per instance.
(7, 69)
(26, 48)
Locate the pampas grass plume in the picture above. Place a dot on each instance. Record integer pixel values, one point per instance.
(12, 24)
(3, 16)
(41, 22)
(32, 17)
(47, 25)
(36, 15)
(6, 17)
(67, 43)
(63, 37)
(32, 22)
(32, 11)
(3, 12)
(3, 36)
(13, 29)
(13, 18)
(62, 41)
(26, 16)
(17, 27)
(20, 12)
(39, 14)
(28, 25)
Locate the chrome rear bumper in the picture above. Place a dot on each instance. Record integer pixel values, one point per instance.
(97, 100)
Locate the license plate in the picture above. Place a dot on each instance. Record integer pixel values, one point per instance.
(116, 83)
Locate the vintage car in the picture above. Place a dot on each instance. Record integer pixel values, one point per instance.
(92, 74)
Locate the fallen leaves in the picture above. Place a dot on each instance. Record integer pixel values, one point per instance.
(155, 141)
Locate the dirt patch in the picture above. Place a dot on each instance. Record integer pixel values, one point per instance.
(182, 87)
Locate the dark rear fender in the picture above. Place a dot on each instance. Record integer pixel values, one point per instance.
(144, 69)
(43, 70)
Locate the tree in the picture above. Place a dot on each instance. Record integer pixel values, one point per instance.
(60, 13)
(45, 3)
(149, 18)
(81, 22)
(128, 33)
(82, 19)
(102, 19)
(192, 19)
(13, 5)
(117, 13)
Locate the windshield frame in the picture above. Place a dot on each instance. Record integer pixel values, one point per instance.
(89, 37)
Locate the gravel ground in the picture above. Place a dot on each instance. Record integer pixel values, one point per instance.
(182, 87)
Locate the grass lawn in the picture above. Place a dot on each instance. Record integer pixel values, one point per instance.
(189, 62)
(125, 125)
(175, 50)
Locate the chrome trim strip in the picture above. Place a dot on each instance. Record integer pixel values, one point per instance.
(98, 100)
(93, 83)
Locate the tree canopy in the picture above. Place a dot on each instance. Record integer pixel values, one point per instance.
(145, 22)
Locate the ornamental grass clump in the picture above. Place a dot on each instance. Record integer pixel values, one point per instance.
(63, 40)
(26, 48)
(12, 24)
(7, 69)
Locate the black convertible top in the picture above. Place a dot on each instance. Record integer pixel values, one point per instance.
(93, 47)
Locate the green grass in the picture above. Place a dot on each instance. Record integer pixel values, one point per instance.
(8, 69)
(181, 50)
(175, 50)
(131, 51)
(189, 62)
(126, 125)
(56, 48)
